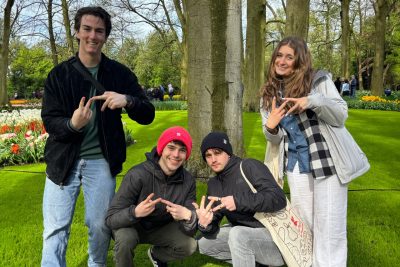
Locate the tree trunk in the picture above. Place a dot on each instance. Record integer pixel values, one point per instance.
(254, 61)
(215, 93)
(4, 52)
(180, 7)
(297, 13)
(381, 12)
(345, 66)
(54, 55)
(67, 25)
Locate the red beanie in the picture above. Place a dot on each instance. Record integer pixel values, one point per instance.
(175, 133)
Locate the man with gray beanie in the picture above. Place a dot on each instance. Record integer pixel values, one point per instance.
(244, 241)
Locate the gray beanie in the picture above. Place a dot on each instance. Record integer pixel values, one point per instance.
(216, 140)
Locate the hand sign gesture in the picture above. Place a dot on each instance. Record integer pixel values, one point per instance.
(299, 105)
(82, 114)
(112, 100)
(177, 212)
(146, 207)
(276, 115)
(205, 214)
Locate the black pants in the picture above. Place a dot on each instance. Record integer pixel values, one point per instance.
(169, 242)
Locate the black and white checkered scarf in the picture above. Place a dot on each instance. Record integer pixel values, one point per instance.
(321, 163)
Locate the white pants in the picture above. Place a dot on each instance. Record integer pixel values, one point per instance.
(323, 205)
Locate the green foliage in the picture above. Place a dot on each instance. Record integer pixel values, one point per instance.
(158, 61)
(28, 69)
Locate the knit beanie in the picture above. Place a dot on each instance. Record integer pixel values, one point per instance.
(175, 133)
(216, 140)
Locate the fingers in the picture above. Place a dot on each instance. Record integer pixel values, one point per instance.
(214, 198)
(195, 205)
(148, 198)
(273, 103)
(82, 102)
(220, 206)
(89, 103)
(168, 203)
(208, 208)
(291, 110)
(203, 200)
(105, 104)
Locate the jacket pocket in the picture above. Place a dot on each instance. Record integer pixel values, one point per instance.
(350, 161)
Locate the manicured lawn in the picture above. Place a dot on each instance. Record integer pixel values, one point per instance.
(373, 212)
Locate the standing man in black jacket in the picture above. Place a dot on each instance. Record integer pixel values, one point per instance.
(154, 204)
(86, 144)
(245, 240)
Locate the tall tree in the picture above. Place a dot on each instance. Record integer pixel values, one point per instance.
(254, 59)
(67, 25)
(345, 47)
(297, 13)
(214, 66)
(53, 46)
(4, 47)
(382, 9)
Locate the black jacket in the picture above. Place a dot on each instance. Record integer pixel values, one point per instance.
(269, 197)
(64, 88)
(144, 179)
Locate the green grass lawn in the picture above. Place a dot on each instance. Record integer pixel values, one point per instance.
(373, 211)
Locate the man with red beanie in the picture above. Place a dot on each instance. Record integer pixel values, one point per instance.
(154, 204)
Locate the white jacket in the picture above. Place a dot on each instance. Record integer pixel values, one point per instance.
(331, 110)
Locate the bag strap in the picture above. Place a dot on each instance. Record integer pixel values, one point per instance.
(247, 180)
(99, 87)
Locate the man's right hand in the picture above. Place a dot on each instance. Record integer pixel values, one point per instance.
(146, 207)
(82, 114)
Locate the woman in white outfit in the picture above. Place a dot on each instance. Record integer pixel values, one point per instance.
(303, 120)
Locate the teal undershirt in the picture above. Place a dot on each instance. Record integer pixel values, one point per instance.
(90, 147)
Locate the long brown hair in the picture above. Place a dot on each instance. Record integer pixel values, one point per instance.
(298, 84)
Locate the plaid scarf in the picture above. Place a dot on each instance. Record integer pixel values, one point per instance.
(321, 162)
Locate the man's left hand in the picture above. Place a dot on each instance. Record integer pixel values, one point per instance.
(112, 100)
(177, 212)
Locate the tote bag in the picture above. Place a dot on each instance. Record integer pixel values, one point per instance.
(290, 234)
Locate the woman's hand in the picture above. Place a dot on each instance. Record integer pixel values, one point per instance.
(276, 114)
(299, 105)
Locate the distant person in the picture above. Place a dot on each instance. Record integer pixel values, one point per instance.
(353, 86)
(346, 88)
(86, 145)
(170, 91)
(338, 84)
(244, 241)
(154, 204)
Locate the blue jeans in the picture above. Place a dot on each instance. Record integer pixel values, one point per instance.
(59, 206)
(242, 245)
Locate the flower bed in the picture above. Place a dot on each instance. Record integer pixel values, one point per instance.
(22, 137)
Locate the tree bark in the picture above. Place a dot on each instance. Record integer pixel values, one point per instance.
(4, 47)
(54, 54)
(345, 50)
(180, 7)
(214, 65)
(67, 25)
(381, 12)
(254, 61)
(297, 17)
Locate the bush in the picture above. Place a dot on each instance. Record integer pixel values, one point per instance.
(170, 105)
(365, 100)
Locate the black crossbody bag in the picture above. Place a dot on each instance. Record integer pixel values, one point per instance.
(99, 87)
